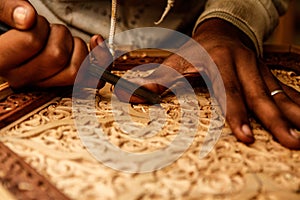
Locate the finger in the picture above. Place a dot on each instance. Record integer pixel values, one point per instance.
(16, 47)
(100, 51)
(146, 83)
(289, 108)
(52, 59)
(101, 56)
(236, 112)
(261, 103)
(68, 75)
(96, 40)
(168, 73)
(162, 78)
(17, 13)
(292, 93)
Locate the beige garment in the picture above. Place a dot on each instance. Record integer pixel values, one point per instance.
(256, 18)
(43, 10)
(93, 16)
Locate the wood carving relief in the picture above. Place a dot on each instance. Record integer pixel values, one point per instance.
(48, 140)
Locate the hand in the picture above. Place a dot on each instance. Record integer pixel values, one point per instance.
(34, 52)
(247, 82)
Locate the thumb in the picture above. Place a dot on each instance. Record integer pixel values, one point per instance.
(18, 14)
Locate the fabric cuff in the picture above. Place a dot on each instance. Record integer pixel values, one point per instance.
(257, 19)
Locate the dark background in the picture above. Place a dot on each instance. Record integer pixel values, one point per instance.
(288, 30)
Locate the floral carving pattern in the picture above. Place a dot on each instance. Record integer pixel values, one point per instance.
(48, 141)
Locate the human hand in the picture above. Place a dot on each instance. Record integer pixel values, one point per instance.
(248, 84)
(34, 52)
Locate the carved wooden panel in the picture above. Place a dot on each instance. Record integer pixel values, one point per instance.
(22, 180)
(48, 140)
(14, 105)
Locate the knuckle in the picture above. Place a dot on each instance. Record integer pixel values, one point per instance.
(272, 124)
(256, 100)
(34, 43)
(232, 90)
(58, 55)
(232, 120)
(258, 94)
(221, 50)
(42, 20)
(246, 52)
(37, 38)
(60, 50)
(61, 31)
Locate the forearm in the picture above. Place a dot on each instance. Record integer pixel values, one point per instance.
(256, 18)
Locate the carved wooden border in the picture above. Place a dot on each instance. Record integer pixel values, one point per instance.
(22, 180)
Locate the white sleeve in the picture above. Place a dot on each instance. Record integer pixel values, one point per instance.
(256, 18)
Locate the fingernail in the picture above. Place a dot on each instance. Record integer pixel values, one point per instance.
(19, 15)
(295, 133)
(247, 131)
(100, 42)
